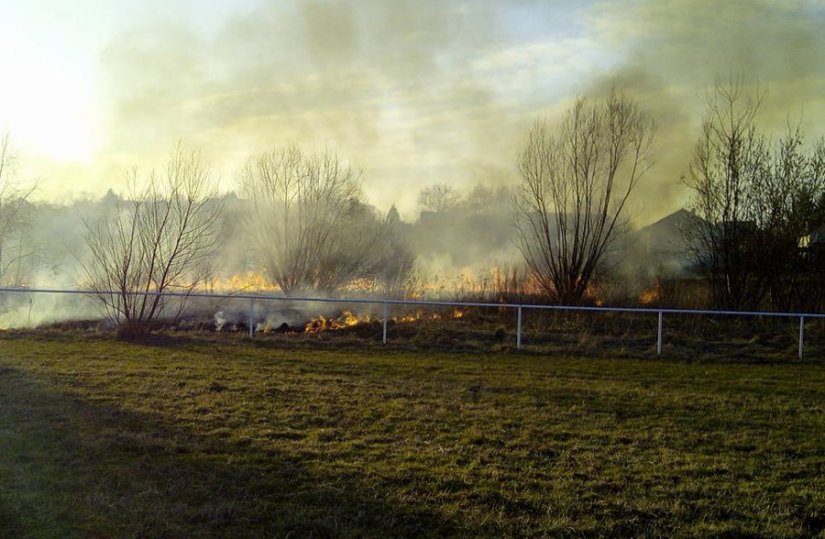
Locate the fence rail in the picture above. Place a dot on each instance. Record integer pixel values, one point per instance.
(386, 303)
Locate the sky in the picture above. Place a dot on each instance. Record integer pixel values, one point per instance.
(409, 92)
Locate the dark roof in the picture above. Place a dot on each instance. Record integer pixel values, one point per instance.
(675, 222)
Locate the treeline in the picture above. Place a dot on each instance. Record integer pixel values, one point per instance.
(761, 240)
(303, 218)
(758, 240)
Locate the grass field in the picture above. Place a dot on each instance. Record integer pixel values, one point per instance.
(217, 436)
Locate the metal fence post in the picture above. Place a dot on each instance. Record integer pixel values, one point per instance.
(518, 329)
(659, 335)
(801, 336)
(386, 316)
(251, 318)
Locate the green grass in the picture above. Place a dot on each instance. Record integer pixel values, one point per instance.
(221, 437)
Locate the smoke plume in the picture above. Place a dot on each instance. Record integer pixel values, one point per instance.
(415, 93)
(676, 50)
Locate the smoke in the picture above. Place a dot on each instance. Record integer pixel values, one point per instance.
(413, 93)
(27, 309)
(409, 91)
(418, 92)
(676, 50)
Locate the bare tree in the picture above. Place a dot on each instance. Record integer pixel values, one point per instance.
(13, 201)
(162, 238)
(438, 197)
(756, 200)
(484, 200)
(576, 178)
(792, 212)
(308, 223)
(731, 159)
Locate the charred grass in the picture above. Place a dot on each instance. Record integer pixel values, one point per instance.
(198, 437)
(493, 329)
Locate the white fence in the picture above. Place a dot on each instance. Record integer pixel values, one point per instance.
(386, 304)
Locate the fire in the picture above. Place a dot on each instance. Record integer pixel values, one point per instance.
(257, 281)
(409, 317)
(420, 314)
(250, 280)
(322, 323)
(595, 294)
(650, 296)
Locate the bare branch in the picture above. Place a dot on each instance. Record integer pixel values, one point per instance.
(311, 229)
(576, 179)
(163, 237)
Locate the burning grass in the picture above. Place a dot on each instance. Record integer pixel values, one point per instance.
(602, 334)
(493, 329)
(223, 437)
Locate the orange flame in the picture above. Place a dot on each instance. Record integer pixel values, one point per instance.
(420, 314)
(594, 293)
(322, 323)
(651, 295)
(251, 280)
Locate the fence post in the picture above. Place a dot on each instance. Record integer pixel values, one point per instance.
(518, 329)
(386, 316)
(659, 335)
(801, 336)
(251, 318)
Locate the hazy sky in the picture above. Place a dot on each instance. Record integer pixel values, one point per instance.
(409, 91)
